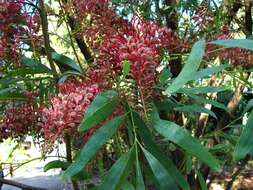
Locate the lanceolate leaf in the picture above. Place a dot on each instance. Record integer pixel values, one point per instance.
(201, 180)
(195, 109)
(66, 61)
(163, 177)
(209, 71)
(101, 107)
(208, 101)
(97, 140)
(55, 165)
(127, 186)
(13, 96)
(202, 90)
(139, 178)
(245, 143)
(151, 146)
(182, 138)
(34, 64)
(190, 68)
(118, 173)
(241, 43)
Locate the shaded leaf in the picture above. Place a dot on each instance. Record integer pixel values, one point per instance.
(163, 177)
(201, 180)
(118, 173)
(195, 109)
(152, 147)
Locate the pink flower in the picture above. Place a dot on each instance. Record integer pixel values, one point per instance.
(67, 108)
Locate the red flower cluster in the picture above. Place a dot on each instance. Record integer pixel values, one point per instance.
(98, 20)
(67, 109)
(15, 25)
(140, 45)
(18, 121)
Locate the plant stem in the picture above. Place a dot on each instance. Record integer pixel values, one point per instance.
(69, 157)
(48, 49)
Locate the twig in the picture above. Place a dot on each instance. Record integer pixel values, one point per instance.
(19, 185)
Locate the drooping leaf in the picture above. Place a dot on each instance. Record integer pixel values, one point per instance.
(195, 109)
(178, 135)
(34, 64)
(101, 107)
(97, 140)
(240, 43)
(152, 147)
(162, 176)
(245, 142)
(56, 164)
(119, 171)
(189, 69)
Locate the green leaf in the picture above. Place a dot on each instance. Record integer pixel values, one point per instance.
(13, 96)
(152, 147)
(139, 178)
(208, 101)
(165, 105)
(34, 64)
(163, 177)
(119, 171)
(245, 142)
(196, 109)
(56, 164)
(127, 186)
(182, 138)
(201, 90)
(66, 61)
(209, 71)
(201, 181)
(97, 140)
(248, 106)
(164, 75)
(126, 68)
(189, 69)
(101, 107)
(240, 43)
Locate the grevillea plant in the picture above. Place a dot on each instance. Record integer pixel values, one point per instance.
(143, 95)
